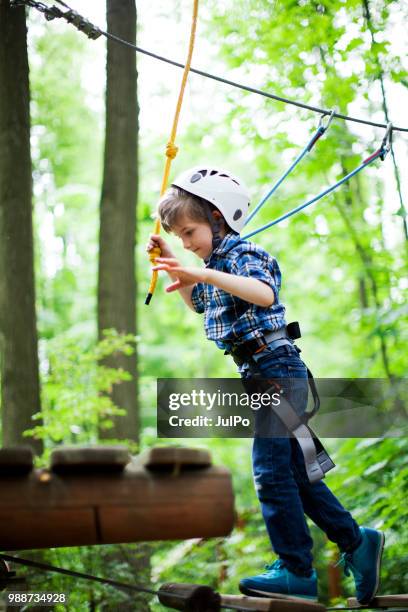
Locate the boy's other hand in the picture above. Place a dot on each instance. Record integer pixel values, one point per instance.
(184, 275)
(156, 241)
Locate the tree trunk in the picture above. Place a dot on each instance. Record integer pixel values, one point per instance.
(117, 274)
(116, 282)
(20, 389)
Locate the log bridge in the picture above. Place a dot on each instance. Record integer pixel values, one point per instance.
(200, 598)
(102, 495)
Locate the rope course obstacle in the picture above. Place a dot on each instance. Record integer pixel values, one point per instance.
(64, 505)
(83, 24)
(99, 495)
(93, 32)
(201, 598)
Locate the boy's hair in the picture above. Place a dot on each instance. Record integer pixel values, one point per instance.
(177, 202)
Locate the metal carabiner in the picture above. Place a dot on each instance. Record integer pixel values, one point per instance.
(330, 119)
(386, 141)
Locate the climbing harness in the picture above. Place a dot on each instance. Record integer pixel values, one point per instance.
(380, 153)
(171, 149)
(321, 129)
(317, 460)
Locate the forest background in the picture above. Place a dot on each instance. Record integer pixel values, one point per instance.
(343, 261)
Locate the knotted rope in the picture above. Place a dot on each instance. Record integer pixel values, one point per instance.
(171, 149)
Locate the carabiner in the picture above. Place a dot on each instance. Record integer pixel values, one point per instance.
(386, 141)
(330, 119)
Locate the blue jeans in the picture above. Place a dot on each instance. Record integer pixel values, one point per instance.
(281, 482)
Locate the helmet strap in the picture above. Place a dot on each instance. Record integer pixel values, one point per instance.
(216, 226)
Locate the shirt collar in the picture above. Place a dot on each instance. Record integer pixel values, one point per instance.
(230, 240)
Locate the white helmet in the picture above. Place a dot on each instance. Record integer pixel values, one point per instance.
(222, 189)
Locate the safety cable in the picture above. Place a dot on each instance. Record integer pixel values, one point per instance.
(382, 152)
(53, 12)
(61, 570)
(114, 583)
(318, 134)
(140, 589)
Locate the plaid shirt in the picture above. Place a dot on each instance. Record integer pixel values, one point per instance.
(229, 320)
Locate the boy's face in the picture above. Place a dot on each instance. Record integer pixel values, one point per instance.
(196, 236)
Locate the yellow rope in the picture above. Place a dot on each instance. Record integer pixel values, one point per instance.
(171, 149)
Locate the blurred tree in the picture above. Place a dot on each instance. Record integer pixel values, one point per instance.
(20, 389)
(117, 274)
(116, 281)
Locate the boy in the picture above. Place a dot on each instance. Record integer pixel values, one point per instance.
(238, 291)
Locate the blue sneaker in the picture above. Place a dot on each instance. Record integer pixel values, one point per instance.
(364, 563)
(278, 580)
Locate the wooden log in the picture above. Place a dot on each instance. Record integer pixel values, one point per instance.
(173, 458)
(84, 459)
(49, 509)
(45, 528)
(258, 604)
(189, 597)
(382, 601)
(17, 460)
(282, 603)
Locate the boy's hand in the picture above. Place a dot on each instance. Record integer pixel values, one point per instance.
(185, 276)
(156, 241)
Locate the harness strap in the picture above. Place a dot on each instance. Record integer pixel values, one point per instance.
(315, 394)
(317, 460)
(215, 225)
(273, 340)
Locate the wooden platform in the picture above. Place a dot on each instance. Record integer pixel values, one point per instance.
(276, 604)
(292, 604)
(102, 496)
(183, 596)
(382, 602)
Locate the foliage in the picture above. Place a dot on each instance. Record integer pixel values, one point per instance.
(66, 151)
(116, 562)
(374, 487)
(76, 389)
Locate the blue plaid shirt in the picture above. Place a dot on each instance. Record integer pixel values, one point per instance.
(229, 320)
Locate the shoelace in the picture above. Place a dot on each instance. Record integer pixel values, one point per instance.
(346, 562)
(276, 565)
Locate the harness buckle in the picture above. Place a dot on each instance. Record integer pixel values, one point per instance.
(293, 330)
